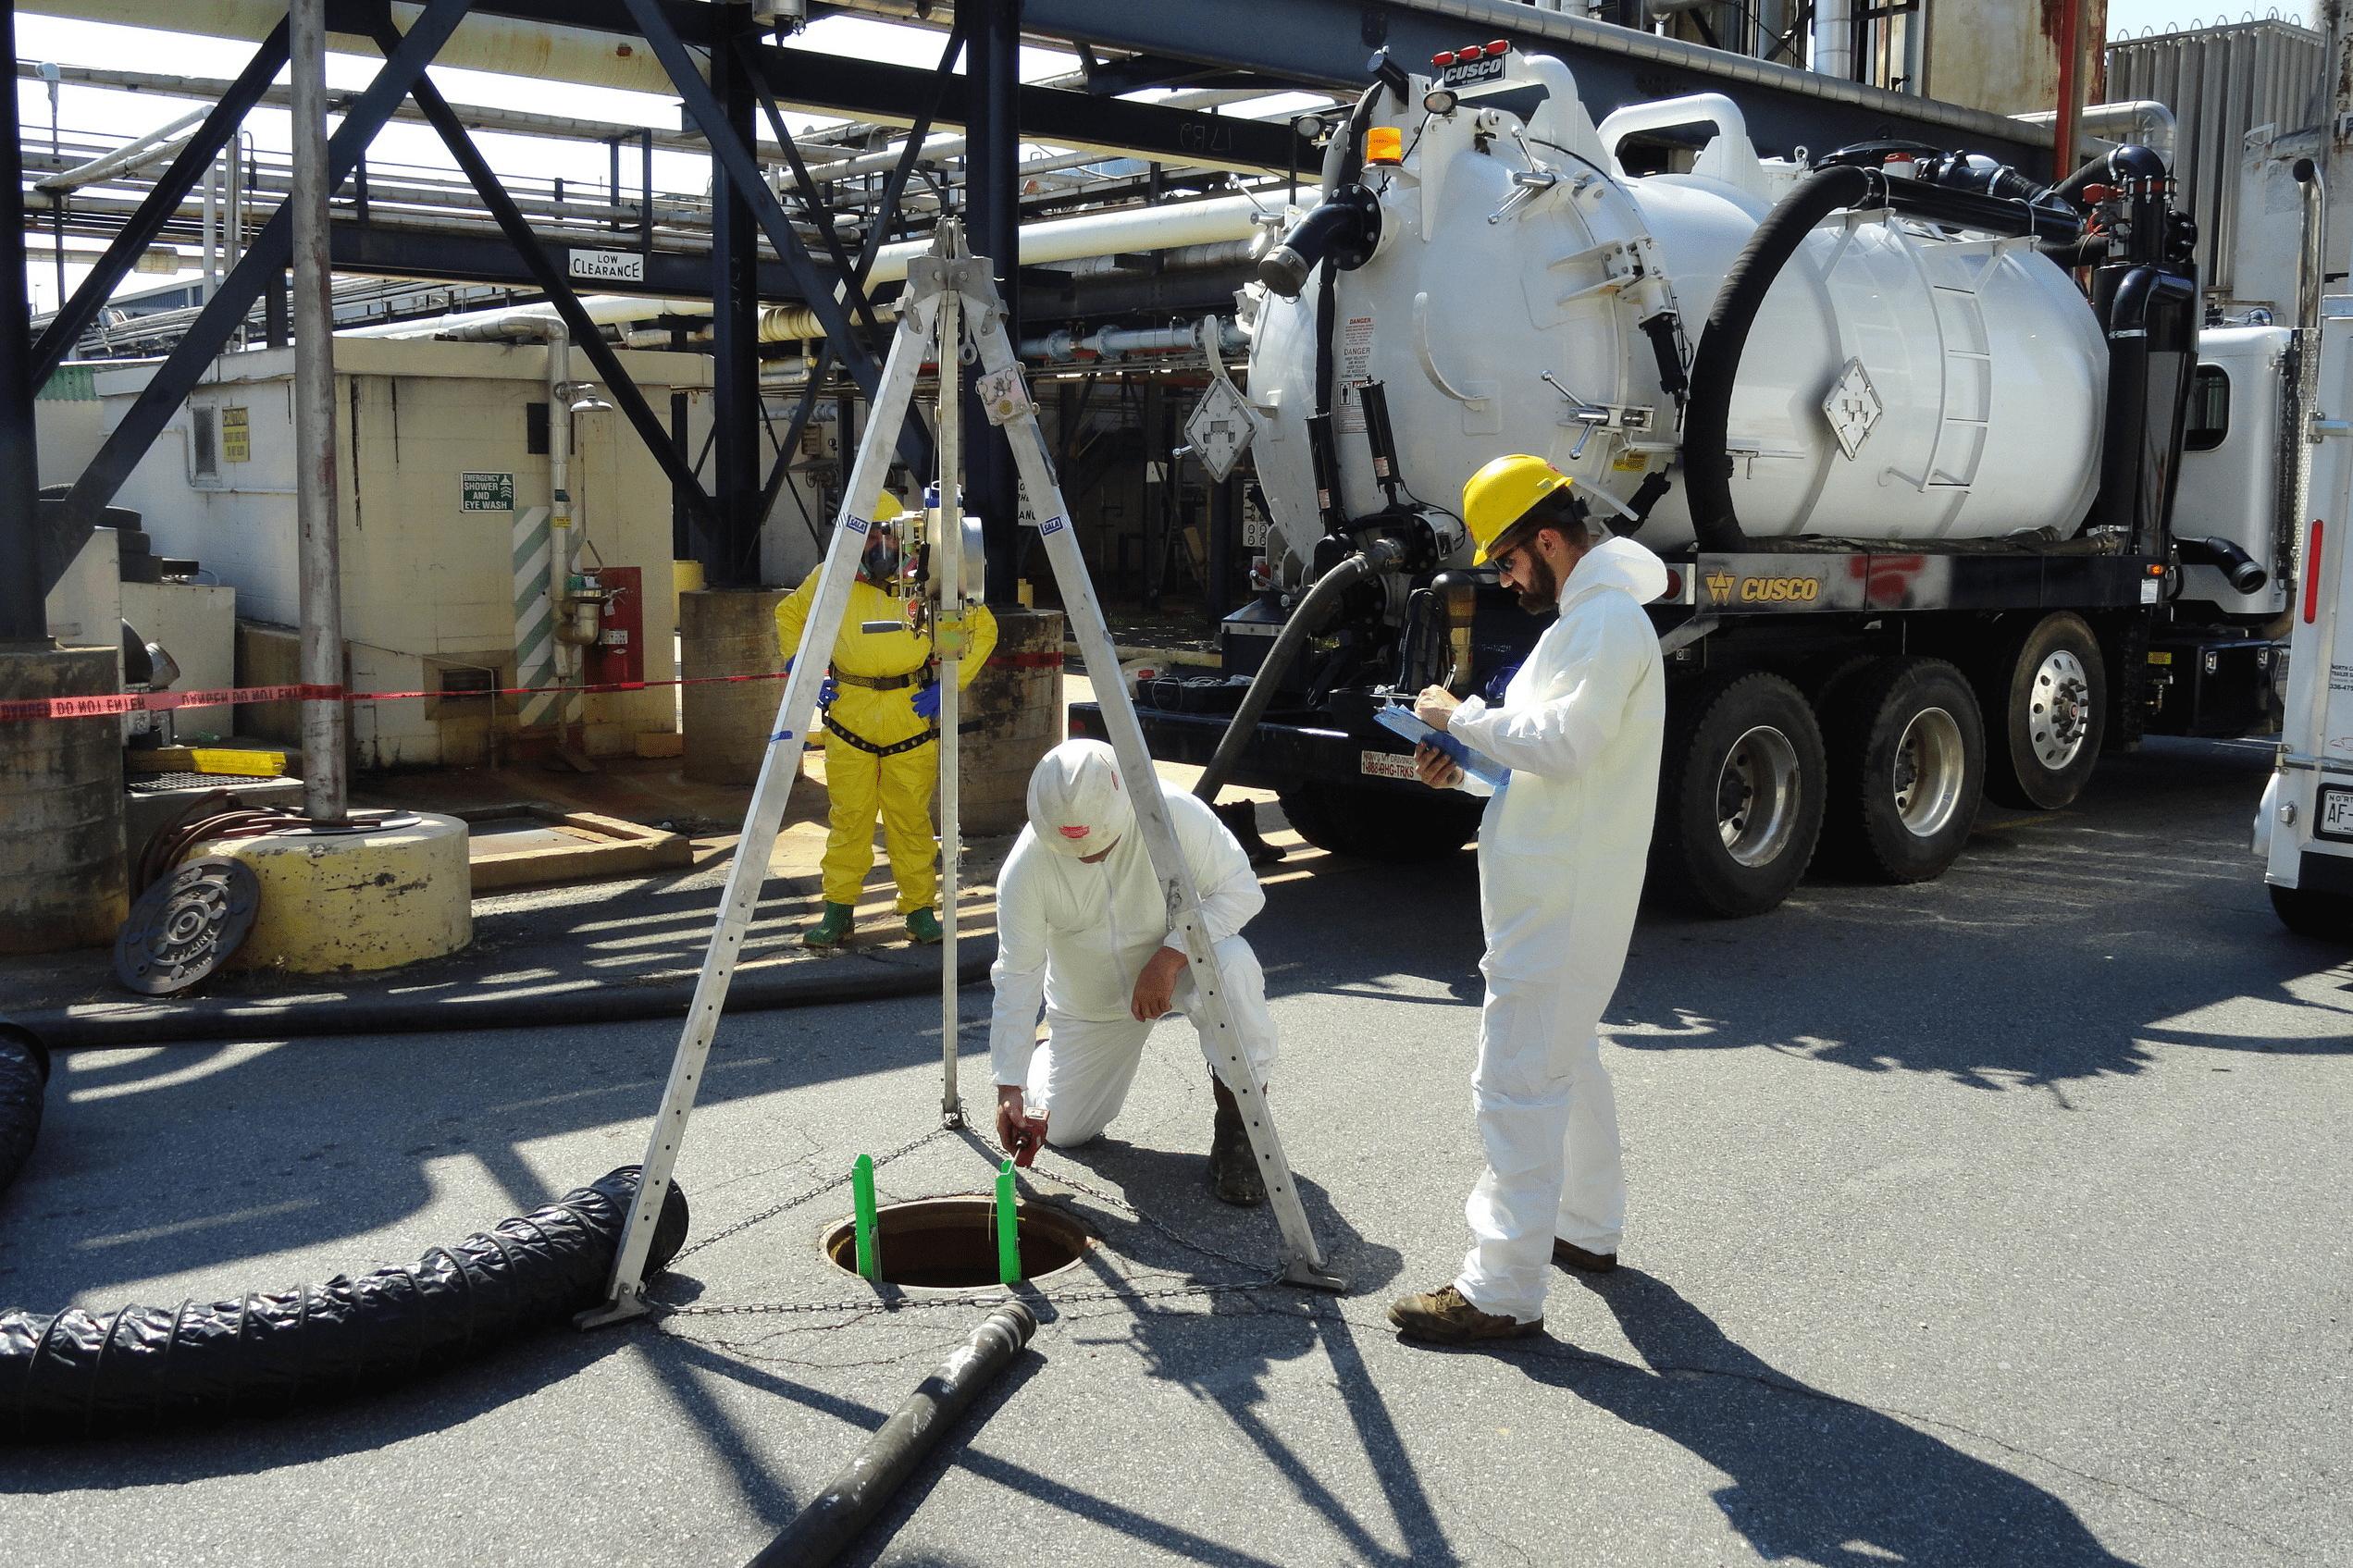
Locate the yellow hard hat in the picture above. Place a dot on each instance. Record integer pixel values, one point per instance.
(1502, 493)
(886, 507)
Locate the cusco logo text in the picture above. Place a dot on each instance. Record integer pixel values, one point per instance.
(1779, 590)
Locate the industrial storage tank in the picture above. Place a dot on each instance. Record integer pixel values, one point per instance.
(1516, 290)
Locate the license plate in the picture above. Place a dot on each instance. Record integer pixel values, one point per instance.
(2336, 813)
(1385, 765)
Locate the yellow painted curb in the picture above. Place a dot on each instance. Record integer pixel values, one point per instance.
(356, 901)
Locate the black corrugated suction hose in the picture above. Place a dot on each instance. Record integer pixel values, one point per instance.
(24, 1073)
(78, 1374)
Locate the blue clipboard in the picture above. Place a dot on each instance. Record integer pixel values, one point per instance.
(1481, 774)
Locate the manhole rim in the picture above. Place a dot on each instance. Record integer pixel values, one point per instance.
(1067, 1225)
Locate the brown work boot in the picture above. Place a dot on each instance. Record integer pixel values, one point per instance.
(1234, 1166)
(1444, 1316)
(1569, 1255)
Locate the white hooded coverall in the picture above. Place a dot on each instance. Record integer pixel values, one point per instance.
(1561, 853)
(1075, 936)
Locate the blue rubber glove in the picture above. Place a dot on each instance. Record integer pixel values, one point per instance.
(927, 702)
(826, 691)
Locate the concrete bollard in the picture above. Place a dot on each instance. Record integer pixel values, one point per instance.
(1018, 704)
(61, 807)
(727, 725)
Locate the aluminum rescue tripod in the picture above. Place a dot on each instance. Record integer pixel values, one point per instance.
(951, 301)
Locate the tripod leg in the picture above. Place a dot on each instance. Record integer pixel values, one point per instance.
(746, 875)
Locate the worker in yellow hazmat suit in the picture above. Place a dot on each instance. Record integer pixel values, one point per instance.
(881, 704)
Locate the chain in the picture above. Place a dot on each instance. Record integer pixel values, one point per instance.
(985, 1298)
(793, 1202)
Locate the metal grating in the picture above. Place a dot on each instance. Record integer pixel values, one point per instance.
(2220, 82)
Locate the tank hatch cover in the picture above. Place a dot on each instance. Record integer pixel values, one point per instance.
(1853, 407)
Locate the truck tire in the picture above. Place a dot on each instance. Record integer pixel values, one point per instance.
(2045, 707)
(2324, 916)
(1394, 827)
(1740, 795)
(1907, 769)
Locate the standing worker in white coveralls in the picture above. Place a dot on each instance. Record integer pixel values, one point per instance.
(1561, 852)
(1082, 927)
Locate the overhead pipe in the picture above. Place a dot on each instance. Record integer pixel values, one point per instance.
(132, 155)
(1171, 226)
(484, 43)
(2144, 120)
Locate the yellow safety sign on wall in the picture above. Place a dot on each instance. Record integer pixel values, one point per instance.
(235, 437)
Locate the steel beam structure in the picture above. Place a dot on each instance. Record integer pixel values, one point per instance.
(992, 194)
(24, 618)
(374, 251)
(878, 226)
(585, 333)
(162, 203)
(729, 542)
(873, 91)
(727, 125)
(1325, 43)
(265, 261)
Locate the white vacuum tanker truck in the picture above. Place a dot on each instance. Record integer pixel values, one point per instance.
(1953, 493)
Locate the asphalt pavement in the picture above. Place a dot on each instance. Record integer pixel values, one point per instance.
(2000, 1220)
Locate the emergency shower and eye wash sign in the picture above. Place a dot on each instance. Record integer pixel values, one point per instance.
(486, 492)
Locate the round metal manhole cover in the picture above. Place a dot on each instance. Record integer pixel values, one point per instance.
(950, 1243)
(184, 927)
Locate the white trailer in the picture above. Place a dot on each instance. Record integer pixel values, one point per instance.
(2305, 829)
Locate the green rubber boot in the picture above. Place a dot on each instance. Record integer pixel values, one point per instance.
(830, 928)
(924, 927)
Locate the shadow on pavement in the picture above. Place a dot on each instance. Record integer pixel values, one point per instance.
(1815, 1478)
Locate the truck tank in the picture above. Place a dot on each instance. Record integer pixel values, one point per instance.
(1522, 292)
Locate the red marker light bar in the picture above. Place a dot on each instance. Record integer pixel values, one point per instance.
(2312, 574)
(1501, 47)
(1443, 58)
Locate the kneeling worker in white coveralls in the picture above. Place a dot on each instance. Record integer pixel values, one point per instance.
(1561, 852)
(1081, 926)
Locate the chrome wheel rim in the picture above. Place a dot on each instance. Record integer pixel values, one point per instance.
(1756, 796)
(1931, 768)
(2059, 710)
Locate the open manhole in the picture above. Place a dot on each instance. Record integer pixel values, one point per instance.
(950, 1243)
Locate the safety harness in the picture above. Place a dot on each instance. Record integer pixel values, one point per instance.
(885, 683)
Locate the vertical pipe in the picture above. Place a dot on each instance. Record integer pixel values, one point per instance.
(1009, 1234)
(559, 532)
(321, 578)
(733, 558)
(681, 546)
(2071, 90)
(22, 618)
(993, 64)
(1224, 524)
(1833, 38)
(863, 1219)
(947, 635)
